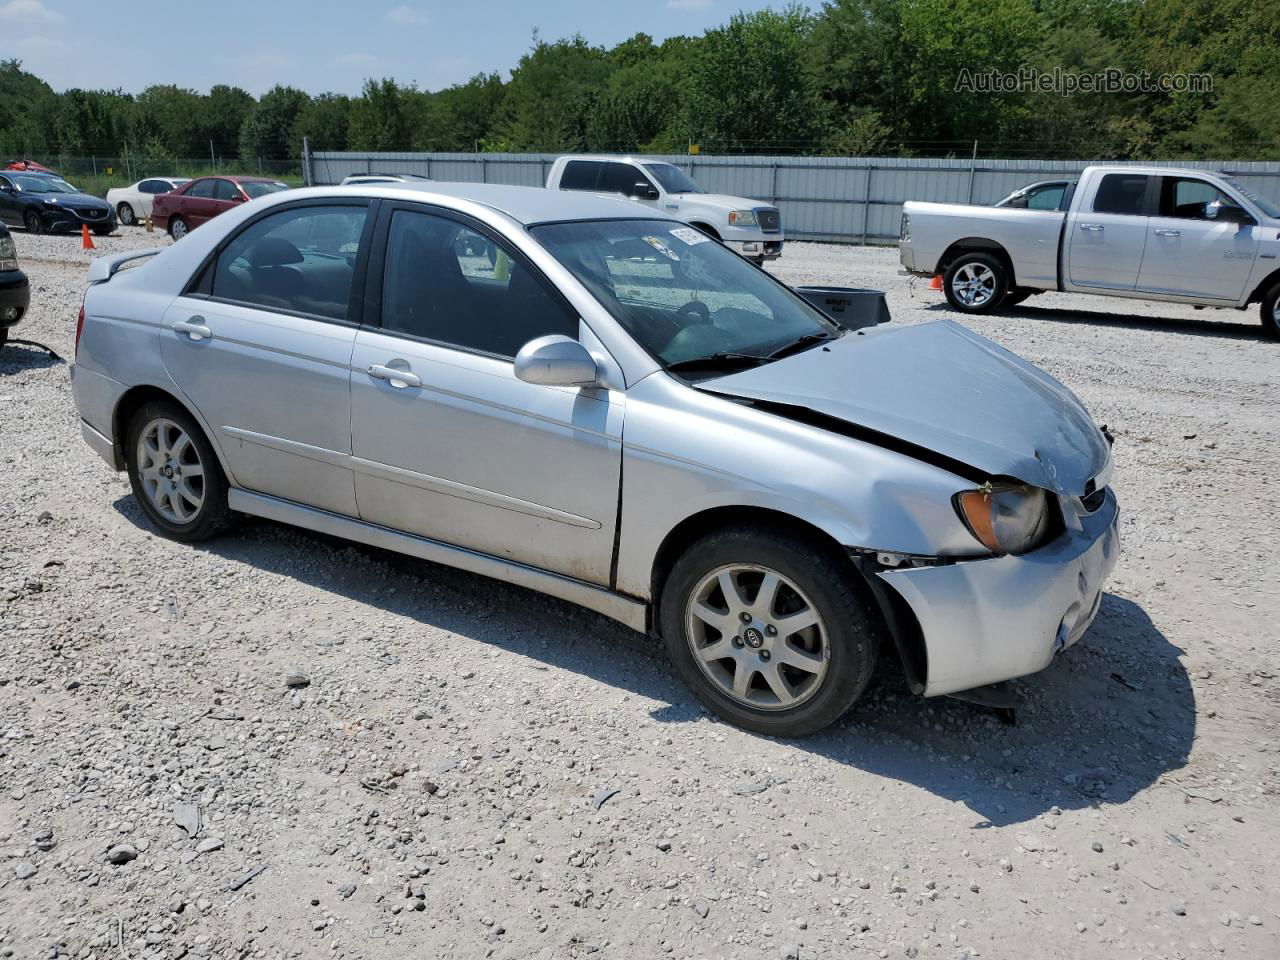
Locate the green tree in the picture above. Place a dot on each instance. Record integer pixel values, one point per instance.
(380, 117)
(550, 95)
(268, 129)
(27, 107)
(745, 91)
(325, 121)
(222, 115)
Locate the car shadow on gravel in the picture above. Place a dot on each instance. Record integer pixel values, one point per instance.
(1105, 721)
(16, 356)
(1189, 326)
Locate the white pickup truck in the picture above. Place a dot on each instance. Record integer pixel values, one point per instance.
(746, 226)
(1150, 233)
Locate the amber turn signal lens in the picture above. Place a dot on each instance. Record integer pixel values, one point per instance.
(975, 510)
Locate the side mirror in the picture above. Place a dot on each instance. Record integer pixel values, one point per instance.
(556, 361)
(646, 191)
(1226, 212)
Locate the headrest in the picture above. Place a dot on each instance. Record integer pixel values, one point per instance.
(273, 252)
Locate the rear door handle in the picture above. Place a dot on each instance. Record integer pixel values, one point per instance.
(1091, 227)
(1168, 233)
(194, 328)
(394, 375)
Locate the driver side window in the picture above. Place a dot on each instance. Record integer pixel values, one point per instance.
(1185, 198)
(452, 285)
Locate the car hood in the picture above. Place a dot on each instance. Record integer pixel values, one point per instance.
(73, 199)
(940, 387)
(722, 200)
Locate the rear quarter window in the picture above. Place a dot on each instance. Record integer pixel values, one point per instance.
(581, 175)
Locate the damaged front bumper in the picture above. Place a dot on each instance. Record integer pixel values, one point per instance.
(988, 620)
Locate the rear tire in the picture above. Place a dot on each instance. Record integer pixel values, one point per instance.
(127, 217)
(178, 228)
(32, 222)
(175, 474)
(757, 670)
(975, 283)
(1269, 311)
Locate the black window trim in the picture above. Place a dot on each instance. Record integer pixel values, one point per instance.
(372, 318)
(199, 287)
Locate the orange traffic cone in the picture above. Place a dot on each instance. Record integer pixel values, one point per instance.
(86, 241)
(936, 282)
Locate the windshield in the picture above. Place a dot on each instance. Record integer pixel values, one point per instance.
(43, 185)
(672, 178)
(685, 298)
(1269, 208)
(259, 188)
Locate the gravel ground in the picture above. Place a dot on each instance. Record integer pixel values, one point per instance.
(280, 745)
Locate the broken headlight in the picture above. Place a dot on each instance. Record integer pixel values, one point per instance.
(1006, 518)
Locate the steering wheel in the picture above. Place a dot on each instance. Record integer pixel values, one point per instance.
(695, 308)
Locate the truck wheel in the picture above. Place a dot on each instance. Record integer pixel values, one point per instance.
(769, 630)
(1270, 311)
(975, 283)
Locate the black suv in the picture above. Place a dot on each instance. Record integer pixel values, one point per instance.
(45, 203)
(15, 295)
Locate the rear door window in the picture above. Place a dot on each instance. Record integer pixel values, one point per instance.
(202, 188)
(581, 175)
(1121, 193)
(298, 260)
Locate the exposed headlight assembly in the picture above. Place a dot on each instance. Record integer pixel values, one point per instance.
(8, 254)
(742, 218)
(1006, 518)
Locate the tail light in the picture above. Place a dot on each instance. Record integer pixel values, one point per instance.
(79, 327)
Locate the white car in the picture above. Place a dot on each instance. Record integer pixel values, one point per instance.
(133, 203)
(357, 179)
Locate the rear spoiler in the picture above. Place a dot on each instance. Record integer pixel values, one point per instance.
(102, 269)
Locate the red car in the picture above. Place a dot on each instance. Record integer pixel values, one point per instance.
(194, 203)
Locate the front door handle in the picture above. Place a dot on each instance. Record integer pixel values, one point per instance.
(394, 375)
(1091, 227)
(194, 328)
(1168, 233)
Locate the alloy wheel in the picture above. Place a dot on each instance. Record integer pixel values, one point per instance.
(170, 470)
(974, 284)
(178, 229)
(126, 214)
(757, 636)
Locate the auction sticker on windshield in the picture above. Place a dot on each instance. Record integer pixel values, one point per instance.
(689, 235)
(662, 248)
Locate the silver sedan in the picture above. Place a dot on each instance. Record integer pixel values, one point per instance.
(581, 396)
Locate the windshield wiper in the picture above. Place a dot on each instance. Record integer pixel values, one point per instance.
(808, 340)
(715, 360)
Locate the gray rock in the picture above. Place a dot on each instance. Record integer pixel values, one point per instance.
(1179, 909)
(701, 908)
(187, 816)
(1096, 846)
(346, 890)
(122, 853)
(25, 870)
(209, 844)
(664, 846)
(296, 677)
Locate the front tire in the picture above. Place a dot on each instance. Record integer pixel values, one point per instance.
(127, 217)
(175, 474)
(32, 222)
(976, 283)
(770, 631)
(1269, 311)
(178, 228)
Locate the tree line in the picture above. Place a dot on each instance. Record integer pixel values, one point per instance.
(855, 77)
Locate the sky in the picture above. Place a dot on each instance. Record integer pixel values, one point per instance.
(323, 45)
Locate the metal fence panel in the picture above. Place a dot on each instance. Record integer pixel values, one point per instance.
(839, 199)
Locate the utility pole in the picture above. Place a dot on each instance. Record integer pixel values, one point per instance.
(213, 162)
